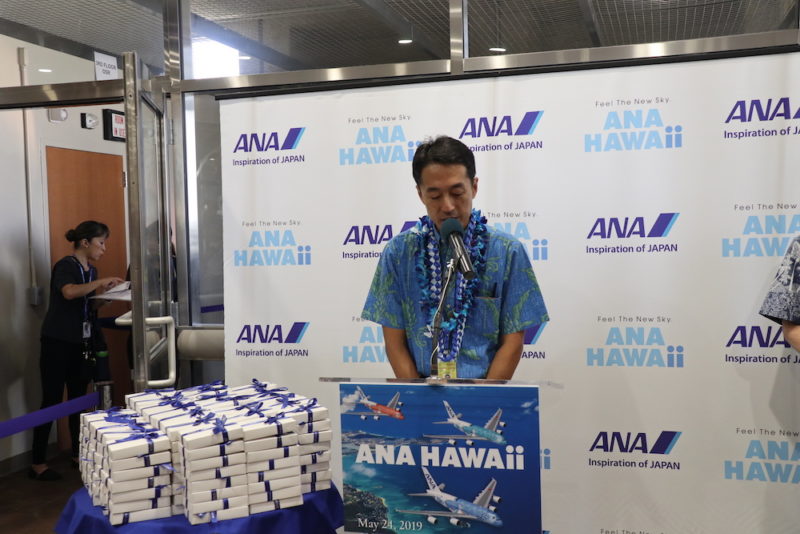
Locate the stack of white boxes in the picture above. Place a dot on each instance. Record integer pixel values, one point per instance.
(127, 467)
(234, 451)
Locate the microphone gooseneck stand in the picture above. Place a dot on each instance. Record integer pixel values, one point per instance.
(436, 328)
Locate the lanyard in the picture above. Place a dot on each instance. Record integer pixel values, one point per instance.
(83, 280)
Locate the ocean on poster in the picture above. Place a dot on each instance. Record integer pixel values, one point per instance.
(396, 435)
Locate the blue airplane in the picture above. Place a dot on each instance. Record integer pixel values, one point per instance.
(487, 432)
(459, 510)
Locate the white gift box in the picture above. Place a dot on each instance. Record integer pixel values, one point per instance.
(194, 486)
(272, 454)
(314, 448)
(186, 418)
(314, 426)
(275, 484)
(142, 472)
(214, 462)
(315, 437)
(315, 458)
(264, 429)
(220, 504)
(95, 429)
(257, 387)
(317, 476)
(303, 414)
(313, 468)
(270, 465)
(217, 494)
(274, 495)
(141, 515)
(140, 483)
(140, 494)
(316, 486)
(132, 397)
(276, 505)
(146, 460)
(262, 476)
(284, 440)
(208, 436)
(219, 472)
(219, 515)
(214, 450)
(135, 506)
(127, 448)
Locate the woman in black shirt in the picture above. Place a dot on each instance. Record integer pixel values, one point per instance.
(67, 334)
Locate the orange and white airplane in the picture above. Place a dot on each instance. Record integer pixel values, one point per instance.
(379, 410)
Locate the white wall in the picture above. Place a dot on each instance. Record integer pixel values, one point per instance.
(19, 331)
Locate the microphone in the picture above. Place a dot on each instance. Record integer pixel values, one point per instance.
(453, 232)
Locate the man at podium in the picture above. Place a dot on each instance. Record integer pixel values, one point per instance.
(492, 297)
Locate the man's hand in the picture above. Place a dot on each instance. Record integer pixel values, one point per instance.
(397, 351)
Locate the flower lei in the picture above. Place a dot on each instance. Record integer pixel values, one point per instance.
(428, 267)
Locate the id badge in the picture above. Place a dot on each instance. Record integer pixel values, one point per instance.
(87, 330)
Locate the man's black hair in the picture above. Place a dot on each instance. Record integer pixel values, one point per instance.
(445, 151)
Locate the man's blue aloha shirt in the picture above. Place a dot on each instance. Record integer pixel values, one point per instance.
(783, 298)
(508, 300)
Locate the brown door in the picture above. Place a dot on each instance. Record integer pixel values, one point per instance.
(89, 186)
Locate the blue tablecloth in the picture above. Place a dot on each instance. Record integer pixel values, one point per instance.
(322, 512)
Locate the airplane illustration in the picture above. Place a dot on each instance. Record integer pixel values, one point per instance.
(379, 410)
(487, 432)
(458, 510)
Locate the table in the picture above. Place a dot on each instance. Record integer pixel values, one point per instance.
(321, 513)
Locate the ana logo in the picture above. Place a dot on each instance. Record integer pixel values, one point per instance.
(530, 337)
(632, 227)
(757, 336)
(634, 129)
(272, 247)
(374, 235)
(781, 229)
(757, 109)
(264, 333)
(263, 142)
(629, 442)
(370, 347)
(767, 461)
(635, 347)
(628, 227)
(377, 145)
(476, 127)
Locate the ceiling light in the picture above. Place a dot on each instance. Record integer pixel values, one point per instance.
(244, 58)
(497, 46)
(45, 70)
(408, 36)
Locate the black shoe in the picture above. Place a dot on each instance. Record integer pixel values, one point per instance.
(48, 475)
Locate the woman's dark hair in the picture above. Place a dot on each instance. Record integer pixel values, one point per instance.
(87, 230)
(445, 151)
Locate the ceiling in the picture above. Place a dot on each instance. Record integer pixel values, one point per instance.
(296, 34)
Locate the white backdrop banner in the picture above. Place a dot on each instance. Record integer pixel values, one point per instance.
(655, 203)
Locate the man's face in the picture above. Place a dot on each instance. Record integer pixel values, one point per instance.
(447, 192)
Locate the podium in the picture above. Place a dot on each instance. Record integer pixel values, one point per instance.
(418, 453)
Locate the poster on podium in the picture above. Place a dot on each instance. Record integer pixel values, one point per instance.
(424, 458)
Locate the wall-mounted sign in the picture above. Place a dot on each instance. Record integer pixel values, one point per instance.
(105, 67)
(113, 125)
